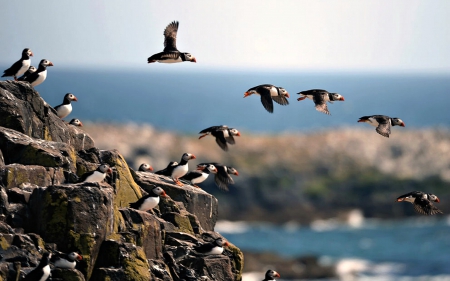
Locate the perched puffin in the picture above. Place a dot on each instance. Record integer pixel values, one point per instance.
(422, 202)
(199, 175)
(145, 168)
(268, 93)
(270, 275)
(171, 53)
(65, 108)
(320, 98)
(168, 170)
(222, 177)
(76, 122)
(96, 176)
(149, 201)
(383, 123)
(182, 168)
(223, 135)
(40, 74)
(42, 271)
(212, 248)
(20, 66)
(62, 260)
(30, 70)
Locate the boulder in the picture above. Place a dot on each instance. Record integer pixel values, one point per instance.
(60, 274)
(17, 175)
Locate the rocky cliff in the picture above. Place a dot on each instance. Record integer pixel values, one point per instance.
(42, 208)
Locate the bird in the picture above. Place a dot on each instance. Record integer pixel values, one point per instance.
(168, 170)
(270, 275)
(223, 135)
(30, 70)
(320, 98)
(68, 261)
(42, 271)
(222, 177)
(171, 53)
(40, 74)
(65, 108)
(422, 202)
(382, 123)
(96, 176)
(145, 168)
(76, 122)
(182, 168)
(149, 201)
(212, 248)
(199, 175)
(268, 93)
(21, 66)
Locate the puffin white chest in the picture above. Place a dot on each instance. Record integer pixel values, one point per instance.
(215, 251)
(149, 203)
(63, 263)
(41, 78)
(171, 60)
(25, 65)
(200, 179)
(64, 110)
(45, 273)
(373, 122)
(180, 171)
(96, 177)
(273, 92)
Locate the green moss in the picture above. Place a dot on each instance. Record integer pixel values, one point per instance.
(136, 268)
(4, 243)
(55, 214)
(85, 242)
(127, 190)
(237, 261)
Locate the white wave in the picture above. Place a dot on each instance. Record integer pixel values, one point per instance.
(225, 226)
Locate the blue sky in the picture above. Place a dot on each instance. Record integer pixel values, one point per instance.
(403, 35)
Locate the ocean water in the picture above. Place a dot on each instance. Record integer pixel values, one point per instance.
(190, 100)
(410, 249)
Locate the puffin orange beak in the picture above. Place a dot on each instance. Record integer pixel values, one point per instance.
(342, 99)
(75, 98)
(437, 200)
(360, 120)
(237, 174)
(215, 171)
(163, 194)
(277, 274)
(287, 95)
(193, 60)
(192, 156)
(402, 124)
(301, 98)
(200, 168)
(81, 124)
(238, 134)
(226, 244)
(246, 94)
(79, 257)
(150, 168)
(109, 171)
(50, 63)
(400, 199)
(31, 54)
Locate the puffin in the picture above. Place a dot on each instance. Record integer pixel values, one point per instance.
(223, 135)
(212, 248)
(65, 108)
(182, 168)
(268, 93)
(42, 271)
(222, 177)
(149, 201)
(422, 202)
(68, 261)
(40, 74)
(171, 53)
(96, 176)
(76, 122)
(168, 170)
(382, 123)
(320, 98)
(20, 66)
(30, 70)
(145, 168)
(270, 275)
(199, 175)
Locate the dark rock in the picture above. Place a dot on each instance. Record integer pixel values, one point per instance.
(216, 267)
(59, 274)
(159, 271)
(2, 161)
(17, 195)
(108, 274)
(27, 112)
(18, 215)
(17, 175)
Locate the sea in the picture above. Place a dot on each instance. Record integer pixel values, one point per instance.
(187, 100)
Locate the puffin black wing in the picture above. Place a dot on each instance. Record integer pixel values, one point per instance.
(170, 37)
(425, 207)
(321, 104)
(221, 141)
(85, 176)
(280, 99)
(266, 99)
(13, 69)
(168, 170)
(384, 125)
(191, 175)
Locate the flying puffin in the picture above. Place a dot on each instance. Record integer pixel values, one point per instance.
(212, 248)
(149, 201)
(223, 135)
(65, 108)
(422, 202)
(145, 168)
(76, 122)
(268, 93)
(270, 275)
(168, 170)
(30, 70)
(96, 176)
(199, 175)
(182, 168)
(42, 271)
(383, 123)
(40, 74)
(68, 261)
(20, 66)
(222, 177)
(171, 53)
(320, 98)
